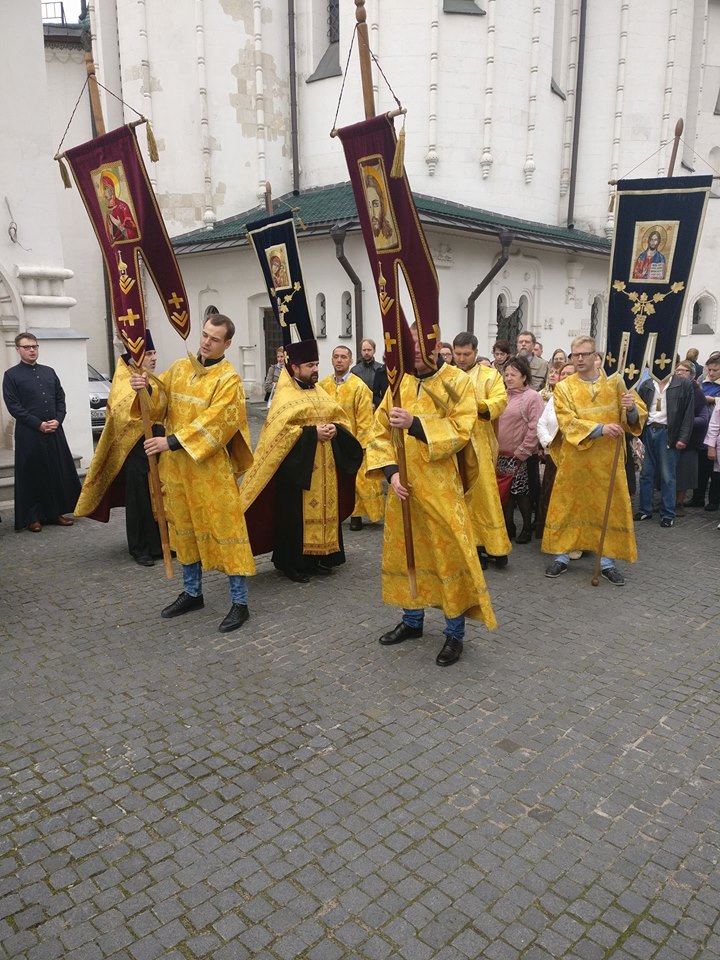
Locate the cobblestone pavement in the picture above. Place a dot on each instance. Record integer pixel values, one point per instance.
(296, 790)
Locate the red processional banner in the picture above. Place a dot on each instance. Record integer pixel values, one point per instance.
(395, 244)
(110, 174)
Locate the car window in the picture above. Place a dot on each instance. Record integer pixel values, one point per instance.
(94, 375)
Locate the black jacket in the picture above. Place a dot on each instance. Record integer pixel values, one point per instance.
(680, 407)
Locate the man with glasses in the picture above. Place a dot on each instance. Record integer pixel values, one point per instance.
(46, 481)
(593, 412)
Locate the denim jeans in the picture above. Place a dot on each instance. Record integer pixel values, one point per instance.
(192, 583)
(454, 626)
(659, 461)
(605, 562)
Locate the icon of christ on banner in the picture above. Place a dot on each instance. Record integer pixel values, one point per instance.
(653, 251)
(120, 219)
(377, 198)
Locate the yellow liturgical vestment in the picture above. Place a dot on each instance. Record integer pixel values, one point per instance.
(446, 562)
(355, 397)
(292, 409)
(577, 505)
(123, 428)
(483, 497)
(204, 408)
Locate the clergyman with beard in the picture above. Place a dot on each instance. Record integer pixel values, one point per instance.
(301, 485)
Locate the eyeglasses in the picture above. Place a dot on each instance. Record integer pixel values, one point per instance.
(29, 346)
(578, 356)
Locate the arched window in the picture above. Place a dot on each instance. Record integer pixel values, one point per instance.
(210, 310)
(510, 326)
(321, 314)
(346, 315)
(703, 315)
(595, 317)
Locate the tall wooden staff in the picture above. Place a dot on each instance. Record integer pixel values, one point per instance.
(143, 396)
(398, 438)
(619, 443)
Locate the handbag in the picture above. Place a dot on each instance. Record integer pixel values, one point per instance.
(504, 482)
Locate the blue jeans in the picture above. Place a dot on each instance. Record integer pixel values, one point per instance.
(192, 583)
(659, 461)
(605, 562)
(454, 626)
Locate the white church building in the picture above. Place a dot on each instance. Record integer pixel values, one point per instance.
(519, 113)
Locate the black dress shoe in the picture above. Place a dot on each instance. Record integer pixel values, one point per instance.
(483, 558)
(322, 569)
(401, 632)
(144, 561)
(356, 523)
(237, 616)
(297, 576)
(183, 604)
(500, 562)
(450, 652)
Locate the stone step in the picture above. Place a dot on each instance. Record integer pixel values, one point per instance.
(7, 476)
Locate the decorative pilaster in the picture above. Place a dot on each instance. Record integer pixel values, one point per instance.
(209, 216)
(431, 158)
(145, 74)
(573, 46)
(486, 160)
(619, 105)
(529, 166)
(665, 134)
(259, 99)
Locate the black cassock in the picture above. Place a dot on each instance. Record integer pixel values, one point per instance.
(291, 479)
(46, 481)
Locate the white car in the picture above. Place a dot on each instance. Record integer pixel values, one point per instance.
(99, 389)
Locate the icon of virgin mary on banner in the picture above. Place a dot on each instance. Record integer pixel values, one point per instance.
(656, 238)
(110, 174)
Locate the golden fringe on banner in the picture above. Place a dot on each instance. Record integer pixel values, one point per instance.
(398, 167)
(151, 142)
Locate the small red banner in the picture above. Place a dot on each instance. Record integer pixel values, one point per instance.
(113, 182)
(395, 243)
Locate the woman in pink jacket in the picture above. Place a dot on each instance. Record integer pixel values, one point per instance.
(517, 439)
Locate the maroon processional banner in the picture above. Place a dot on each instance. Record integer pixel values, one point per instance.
(395, 244)
(114, 185)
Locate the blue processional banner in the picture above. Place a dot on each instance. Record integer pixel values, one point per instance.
(657, 228)
(276, 246)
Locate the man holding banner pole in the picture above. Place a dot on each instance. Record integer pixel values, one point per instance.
(436, 411)
(205, 450)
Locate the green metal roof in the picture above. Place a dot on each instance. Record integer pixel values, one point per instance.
(320, 208)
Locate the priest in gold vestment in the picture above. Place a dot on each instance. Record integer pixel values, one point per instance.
(437, 416)
(302, 482)
(355, 397)
(483, 498)
(593, 412)
(205, 450)
(118, 474)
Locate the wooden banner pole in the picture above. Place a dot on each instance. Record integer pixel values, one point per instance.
(398, 435)
(154, 476)
(622, 360)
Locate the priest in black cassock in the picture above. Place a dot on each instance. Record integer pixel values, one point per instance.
(46, 481)
(301, 485)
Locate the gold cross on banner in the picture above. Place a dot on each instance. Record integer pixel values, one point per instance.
(632, 371)
(435, 334)
(175, 300)
(611, 359)
(389, 342)
(662, 362)
(129, 318)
